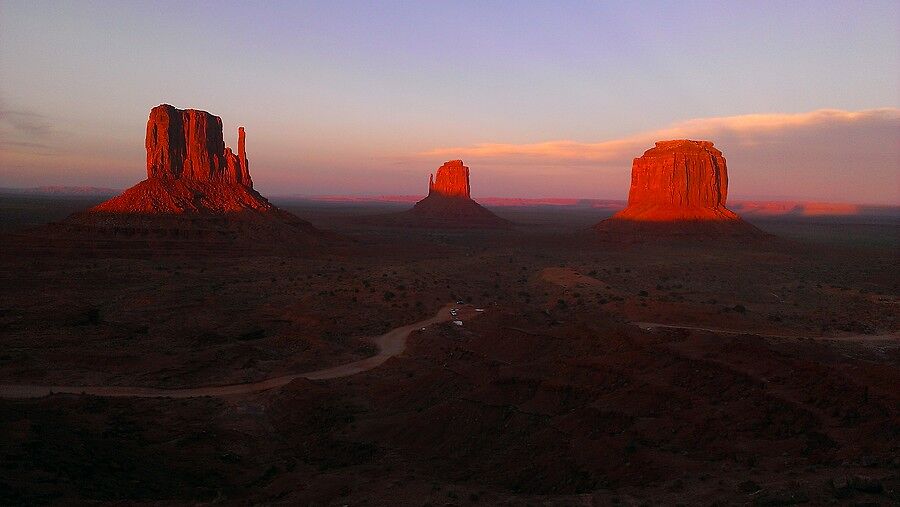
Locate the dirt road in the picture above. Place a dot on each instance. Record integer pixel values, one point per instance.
(389, 345)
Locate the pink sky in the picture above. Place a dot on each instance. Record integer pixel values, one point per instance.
(540, 99)
(823, 155)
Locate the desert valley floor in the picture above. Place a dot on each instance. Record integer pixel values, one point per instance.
(599, 373)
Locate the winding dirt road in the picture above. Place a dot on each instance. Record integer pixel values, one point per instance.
(389, 345)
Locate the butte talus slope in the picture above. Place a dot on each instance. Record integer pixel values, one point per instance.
(196, 189)
(449, 203)
(678, 187)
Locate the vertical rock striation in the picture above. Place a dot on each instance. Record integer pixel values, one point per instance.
(450, 180)
(678, 180)
(678, 186)
(679, 173)
(188, 144)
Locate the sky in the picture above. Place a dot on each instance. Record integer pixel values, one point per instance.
(540, 99)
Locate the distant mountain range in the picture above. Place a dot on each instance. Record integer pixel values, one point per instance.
(58, 190)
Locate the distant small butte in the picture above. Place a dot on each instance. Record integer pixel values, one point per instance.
(448, 205)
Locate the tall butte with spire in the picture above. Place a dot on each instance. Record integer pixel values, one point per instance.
(195, 185)
(189, 169)
(449, 203)
(678, 187)
(186, 154)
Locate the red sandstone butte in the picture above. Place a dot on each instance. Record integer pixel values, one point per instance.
(451, 180)
(448, 204)
(196, 187)
(189, 169)
(198, 197)
(188, 143)
(678, 182)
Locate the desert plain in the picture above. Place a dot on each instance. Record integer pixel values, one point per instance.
(646, 372)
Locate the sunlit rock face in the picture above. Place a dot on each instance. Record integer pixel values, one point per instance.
(681, 186)
(189, 169)
(679, 173)
(188, 144)
(451, 180)
(449, 205)
(678, 180)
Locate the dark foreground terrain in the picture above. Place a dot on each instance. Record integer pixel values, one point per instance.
(778, 384)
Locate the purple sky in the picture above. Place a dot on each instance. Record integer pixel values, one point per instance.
(540, 99)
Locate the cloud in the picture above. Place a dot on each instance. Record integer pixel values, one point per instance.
(24, 131)
(822, 154)
(745, 127)
(25, 122)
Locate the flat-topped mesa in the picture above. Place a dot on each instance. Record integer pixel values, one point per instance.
(678, 188)
(679, 180)
(450, 180)
(188, 144)
(681, 174)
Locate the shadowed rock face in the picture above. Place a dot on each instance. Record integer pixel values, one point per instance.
(188, 143)
(678, 186)
(450, 180)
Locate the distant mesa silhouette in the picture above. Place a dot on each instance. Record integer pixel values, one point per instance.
(678, 187)
(449, 203)
(196, 188)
